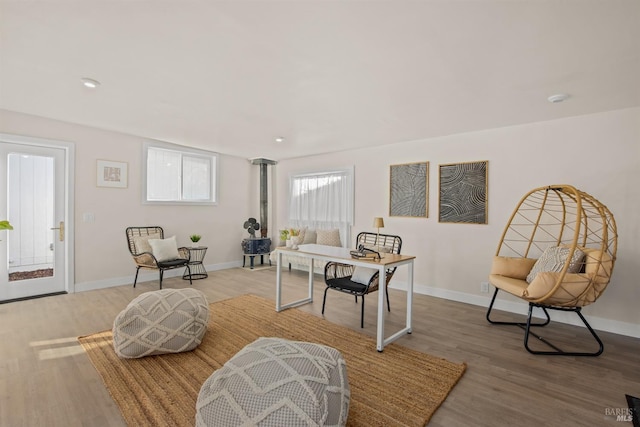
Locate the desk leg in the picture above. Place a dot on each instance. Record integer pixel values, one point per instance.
(409, 296)
(311, 280)
(407, 329)
(278, 281)
(382, 288)
(279, 305)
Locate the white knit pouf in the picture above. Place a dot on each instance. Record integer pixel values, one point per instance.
(159, 322)
(276, 382)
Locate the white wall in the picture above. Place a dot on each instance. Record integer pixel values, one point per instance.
(599, 154)
(101, 254)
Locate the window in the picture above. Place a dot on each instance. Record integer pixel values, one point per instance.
(176, 174)
(323, 200)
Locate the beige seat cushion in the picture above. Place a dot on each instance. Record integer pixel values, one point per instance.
(159, 322)
(516, 268)
(515, 287)
(277, 382)
(576, 289)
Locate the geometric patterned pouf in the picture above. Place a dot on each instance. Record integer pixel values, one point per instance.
(159, 322)
(277, 382)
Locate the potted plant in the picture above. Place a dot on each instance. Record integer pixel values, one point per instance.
(195, 238)
(284, 236)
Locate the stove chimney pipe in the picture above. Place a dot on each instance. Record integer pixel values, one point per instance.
(264, 200)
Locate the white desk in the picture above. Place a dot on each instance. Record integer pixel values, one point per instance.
(335, 254)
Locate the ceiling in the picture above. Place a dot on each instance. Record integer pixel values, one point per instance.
(231, 76)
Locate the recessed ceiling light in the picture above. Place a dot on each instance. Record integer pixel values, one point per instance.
(558, 97)
(90, 83)
(280, 139)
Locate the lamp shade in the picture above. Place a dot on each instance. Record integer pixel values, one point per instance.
(378, 222)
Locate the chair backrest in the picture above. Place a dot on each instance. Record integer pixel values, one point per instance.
(392, 244)
(388, 243)
(133, 232)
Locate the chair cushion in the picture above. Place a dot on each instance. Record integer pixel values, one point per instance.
(572, 286)
(173, 263)
(158, 322)
(516, 268)
(347, 284)
(277, 382)
(164, 249)
(553, 259)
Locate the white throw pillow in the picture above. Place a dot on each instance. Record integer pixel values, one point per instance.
(363, 274)
(553, 259)
(328, 237)
(164, 249)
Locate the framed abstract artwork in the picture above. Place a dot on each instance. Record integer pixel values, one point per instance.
(111, 174)
(409, 190)
(463, 193)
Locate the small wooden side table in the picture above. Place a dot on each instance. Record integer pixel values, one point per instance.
(196, 256)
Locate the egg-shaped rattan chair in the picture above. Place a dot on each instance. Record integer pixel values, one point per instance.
(556, 252)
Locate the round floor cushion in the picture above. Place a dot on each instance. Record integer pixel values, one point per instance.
(277, 382)
(159, 322)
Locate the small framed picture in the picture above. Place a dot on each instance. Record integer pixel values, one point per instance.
(111, 174)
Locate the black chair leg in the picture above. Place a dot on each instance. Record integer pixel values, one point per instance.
(136, 279)
(324, 299)
(386, 291)
(161, 273)
(362, 313)
(189, 272)
(557, 351)
(521, 324)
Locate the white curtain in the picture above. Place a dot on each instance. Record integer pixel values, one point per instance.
(323, 200)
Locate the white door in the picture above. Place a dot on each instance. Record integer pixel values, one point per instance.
(32, 198)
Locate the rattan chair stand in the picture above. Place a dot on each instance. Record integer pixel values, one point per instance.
(565, 217)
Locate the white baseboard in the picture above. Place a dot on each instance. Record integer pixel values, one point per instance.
(146, 276)
(519, 307)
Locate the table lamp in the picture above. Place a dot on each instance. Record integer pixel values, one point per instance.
(378, 223)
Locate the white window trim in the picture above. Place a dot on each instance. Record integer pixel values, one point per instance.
(183, 149)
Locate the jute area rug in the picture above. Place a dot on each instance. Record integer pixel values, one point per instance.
(399, 386)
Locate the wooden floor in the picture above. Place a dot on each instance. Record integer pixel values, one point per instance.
(46, 379)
